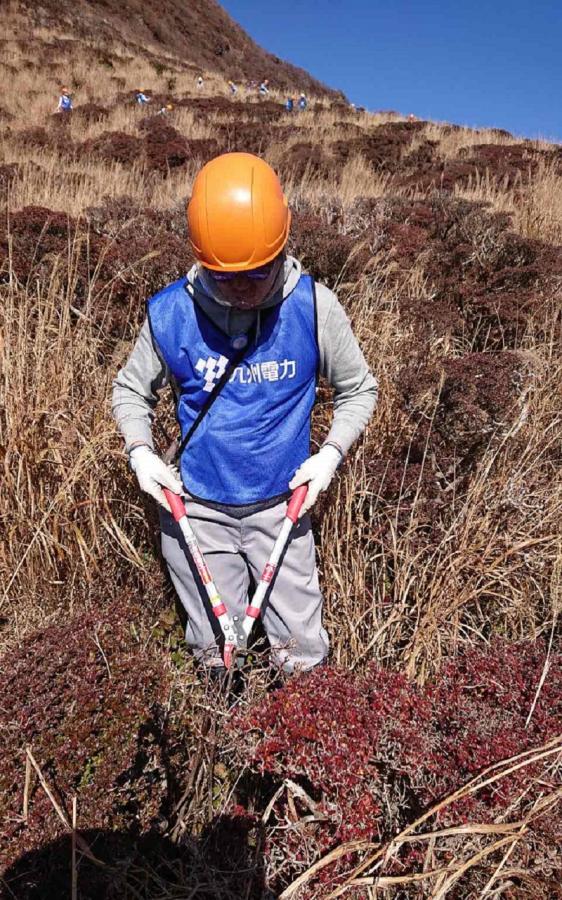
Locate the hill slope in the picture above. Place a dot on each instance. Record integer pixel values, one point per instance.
(438, 544)
(199, 33)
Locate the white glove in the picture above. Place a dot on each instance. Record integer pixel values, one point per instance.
(318, 471)
(153, 474)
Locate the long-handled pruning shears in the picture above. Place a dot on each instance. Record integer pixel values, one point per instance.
(236, 633)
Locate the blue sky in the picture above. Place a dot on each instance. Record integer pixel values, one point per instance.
(495, 64)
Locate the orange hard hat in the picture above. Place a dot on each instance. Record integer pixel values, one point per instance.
(238, 217)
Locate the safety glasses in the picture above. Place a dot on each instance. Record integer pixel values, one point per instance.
(258, 274)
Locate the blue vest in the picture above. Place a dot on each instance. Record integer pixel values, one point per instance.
(257, 433)
(65, 102)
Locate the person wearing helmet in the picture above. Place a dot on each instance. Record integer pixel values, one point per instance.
(303, 103)
(65, 102)
(247, 309)
(141, 98)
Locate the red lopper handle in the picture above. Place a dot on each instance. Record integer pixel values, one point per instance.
(295, 503)
(176, 504)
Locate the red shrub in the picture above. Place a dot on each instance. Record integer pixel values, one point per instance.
(124, 252)
(373, 751)
(115, 146)
(35, 236)
(305, 158)
(86, 697)
(90, 112)
(36, 136)
(324, 251)
(462, 404)
(383, 146)
(507, 281)
(250, 137)
(508, 163)
(165, 148)
(264, 112)
(145, 249)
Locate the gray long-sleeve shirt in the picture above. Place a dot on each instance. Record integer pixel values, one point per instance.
(137, 385)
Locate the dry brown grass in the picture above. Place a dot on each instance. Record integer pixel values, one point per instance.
(62, 486)
(535, 210)
(74, 528)
(430, 594)
(435, 596)
(408, 600)
(76, 186)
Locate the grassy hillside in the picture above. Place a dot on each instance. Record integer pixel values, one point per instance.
(174, 37)
(425, 761)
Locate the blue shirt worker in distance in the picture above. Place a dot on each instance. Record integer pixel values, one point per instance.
(65, 101)
(252, 448)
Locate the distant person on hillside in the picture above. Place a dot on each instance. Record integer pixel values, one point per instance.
(233, 88)
(141, 98)
(247, 330)
(263, 89)
(200, 83)
(65, 102)
(165, 110)
(290, 104)
(303, 102)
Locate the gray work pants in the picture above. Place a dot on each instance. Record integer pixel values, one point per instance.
(236, 551)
